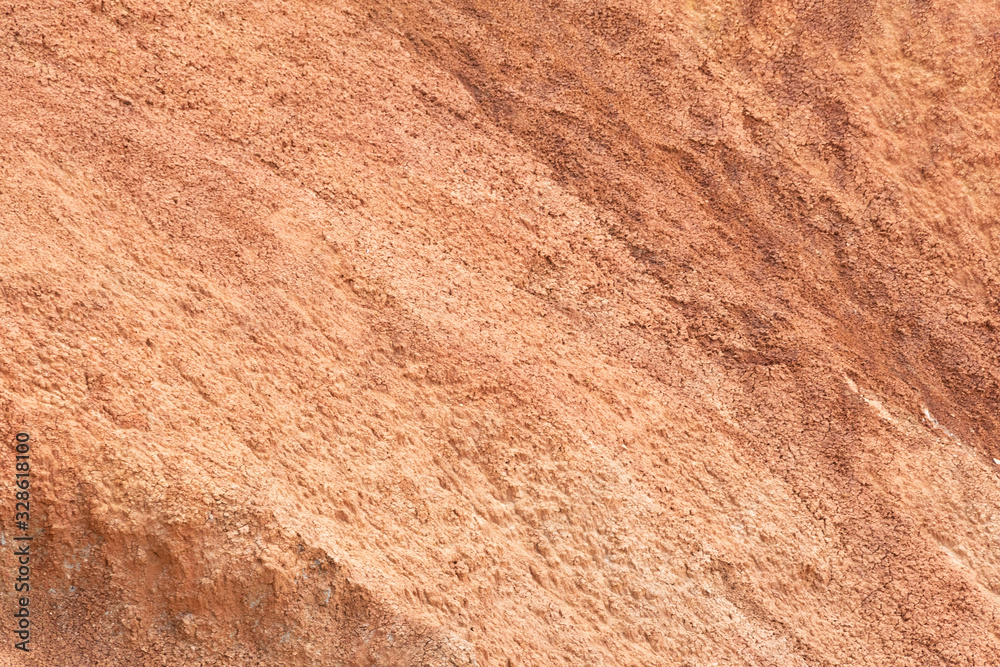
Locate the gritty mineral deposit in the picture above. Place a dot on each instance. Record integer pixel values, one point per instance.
(507, 333)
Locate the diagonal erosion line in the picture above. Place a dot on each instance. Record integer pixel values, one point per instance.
(934, 422)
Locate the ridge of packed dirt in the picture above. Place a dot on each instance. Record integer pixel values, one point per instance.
(502, 333)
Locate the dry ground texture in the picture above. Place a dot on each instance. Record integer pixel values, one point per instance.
(507, 333)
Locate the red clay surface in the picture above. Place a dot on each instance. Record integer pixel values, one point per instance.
(503, 333)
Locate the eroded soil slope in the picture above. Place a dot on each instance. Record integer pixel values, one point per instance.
(503, 333)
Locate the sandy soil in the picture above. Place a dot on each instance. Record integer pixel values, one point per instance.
(502, 333)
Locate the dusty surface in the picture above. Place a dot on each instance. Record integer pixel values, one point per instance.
(499, 333)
